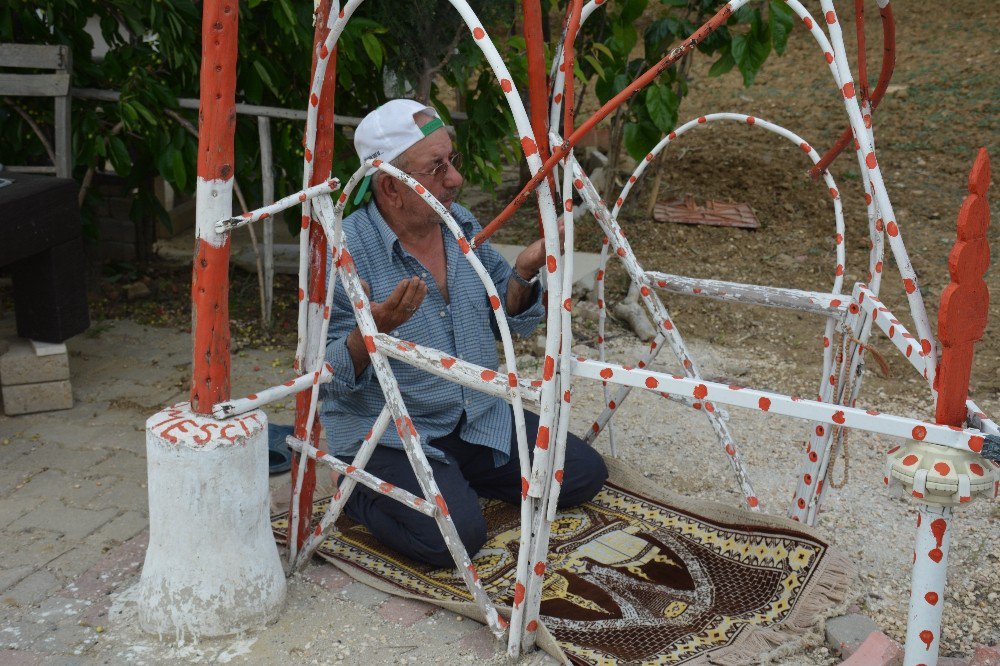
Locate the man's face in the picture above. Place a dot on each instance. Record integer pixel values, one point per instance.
(422, 158)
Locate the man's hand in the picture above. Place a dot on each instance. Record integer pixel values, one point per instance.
(532, 258)
(388, 315)
(399, 306)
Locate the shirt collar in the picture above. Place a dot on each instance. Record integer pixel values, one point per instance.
(391, 240)
(385, 232)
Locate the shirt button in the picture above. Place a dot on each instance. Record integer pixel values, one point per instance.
(424, 275)
(443, 313)
(468, 402)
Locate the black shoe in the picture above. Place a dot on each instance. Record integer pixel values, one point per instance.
(279, 455)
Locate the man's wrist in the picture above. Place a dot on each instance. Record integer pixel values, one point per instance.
(518, 277)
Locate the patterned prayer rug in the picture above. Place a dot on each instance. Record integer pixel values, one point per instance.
(637, 576)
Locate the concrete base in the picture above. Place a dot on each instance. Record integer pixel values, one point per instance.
(212, 566)
(35, 377)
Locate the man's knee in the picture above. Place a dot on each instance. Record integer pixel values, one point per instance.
(471, 528)
(584, 474)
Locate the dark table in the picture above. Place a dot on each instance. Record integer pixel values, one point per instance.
(41, 245)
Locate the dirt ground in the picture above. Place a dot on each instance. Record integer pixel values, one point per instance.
(927, 132)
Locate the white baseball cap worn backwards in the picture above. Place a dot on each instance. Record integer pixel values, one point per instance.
(388, 131)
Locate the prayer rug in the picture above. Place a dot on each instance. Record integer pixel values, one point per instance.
(639, 575)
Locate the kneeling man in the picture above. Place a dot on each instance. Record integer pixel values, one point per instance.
(423, 289)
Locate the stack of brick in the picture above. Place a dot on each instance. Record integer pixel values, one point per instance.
(34, 377)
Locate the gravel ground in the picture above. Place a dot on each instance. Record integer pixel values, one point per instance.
(676, 447)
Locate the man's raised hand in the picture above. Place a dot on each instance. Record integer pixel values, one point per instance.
(400, 304)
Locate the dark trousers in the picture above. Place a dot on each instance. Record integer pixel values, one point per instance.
(468, 475)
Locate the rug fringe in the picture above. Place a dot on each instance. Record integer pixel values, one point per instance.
(829, 594)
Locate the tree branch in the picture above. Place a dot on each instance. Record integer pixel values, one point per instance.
(34, 127)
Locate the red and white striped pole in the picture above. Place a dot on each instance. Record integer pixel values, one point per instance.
(312, 276)
(212, 566)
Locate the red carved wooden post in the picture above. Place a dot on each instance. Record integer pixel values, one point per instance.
(232, 581)
(322, 165)
(210, 276)
(965, 302)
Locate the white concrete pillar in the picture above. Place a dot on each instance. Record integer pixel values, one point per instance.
(212, 565)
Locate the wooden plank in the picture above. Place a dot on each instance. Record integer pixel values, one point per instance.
(267, 178)
(64, 127)
(34, 56)
(34, 85)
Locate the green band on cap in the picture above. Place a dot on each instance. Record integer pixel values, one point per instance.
(435, 124)
(362, 191)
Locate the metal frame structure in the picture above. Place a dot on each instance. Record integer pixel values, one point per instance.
(940, 464)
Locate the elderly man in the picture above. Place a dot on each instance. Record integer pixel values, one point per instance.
(423, 289)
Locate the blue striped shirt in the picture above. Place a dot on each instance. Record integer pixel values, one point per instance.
(463, 328)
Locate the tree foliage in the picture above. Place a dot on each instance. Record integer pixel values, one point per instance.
(610, 55)
(154, 52)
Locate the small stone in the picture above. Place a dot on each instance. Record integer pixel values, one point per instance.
(136, 290)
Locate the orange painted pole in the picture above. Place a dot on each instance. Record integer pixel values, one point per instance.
(569, 56)
(888, 64)
(210, 375)
(322, 167)
(644, 80)
(538, 85)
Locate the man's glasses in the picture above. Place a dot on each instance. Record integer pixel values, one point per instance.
(438, 172)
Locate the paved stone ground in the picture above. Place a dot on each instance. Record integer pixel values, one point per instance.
(73, 530)
(73, 520)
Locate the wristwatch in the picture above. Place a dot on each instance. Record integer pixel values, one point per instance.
(521, 281)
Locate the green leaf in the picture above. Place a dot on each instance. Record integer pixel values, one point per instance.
(597, 46)
(722, 65)
(640, 138)
(144, 112)
(119, 156)
(373, 48)
(258, 67)
(782, 19)
(658, 36)
(662, 103)
(179, 172)
(631, 10)
(738, 48)
(675, 3)
(595, 64)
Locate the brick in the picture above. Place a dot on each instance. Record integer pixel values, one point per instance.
(877, 650)
(32, 589)
(363, 595)
(43, 397)
(119, 566)
(327, 576)
(65, 638)
(406, 612)
(72, 522)
(481, 643)
(96, 614)
(49, 455)
(11, 576)
(986, 656)
(122, 528)
(122, 464)
(447, 627)
(55, 610)
(121, 493)
(845, 634)
(13, 508)
(34, 547)
(21, 365)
